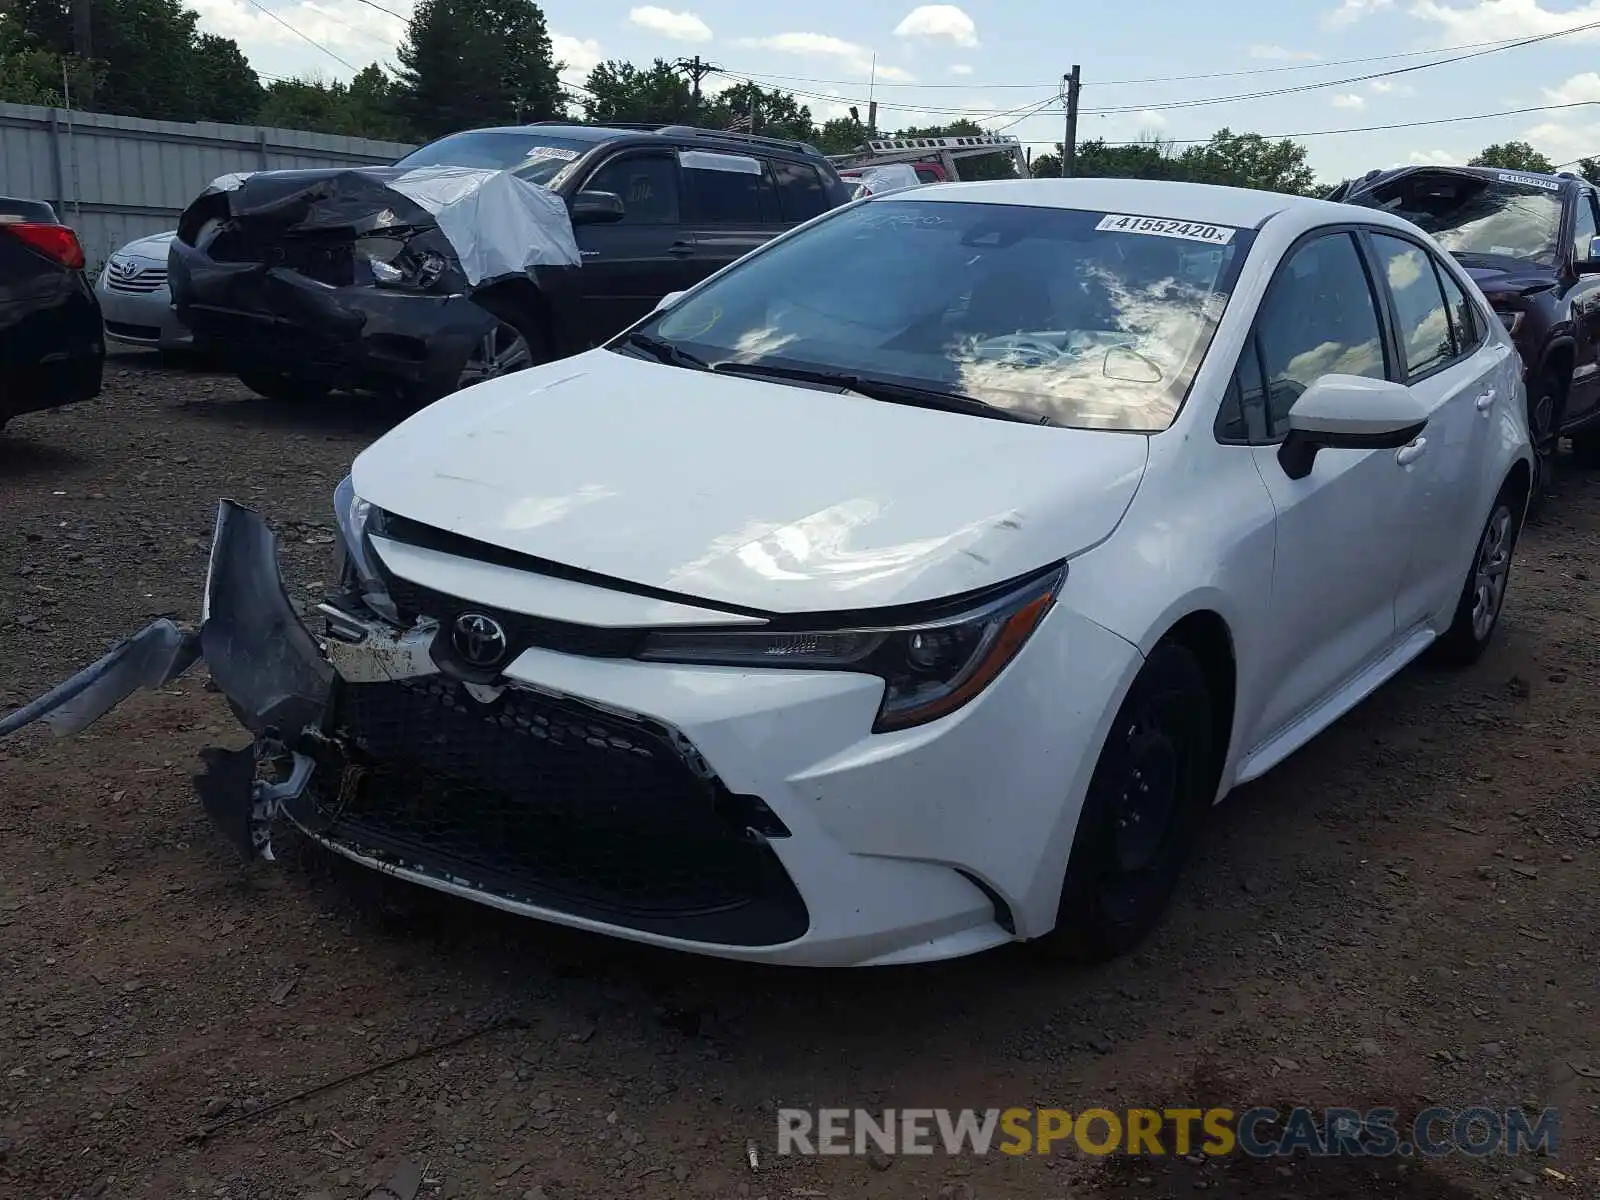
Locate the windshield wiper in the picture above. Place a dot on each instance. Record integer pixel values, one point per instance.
(887, 390)
(664, 351)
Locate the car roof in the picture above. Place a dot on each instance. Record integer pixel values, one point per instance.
(576, 133)
(721, 139)
(1241, 208)
(1375, 179)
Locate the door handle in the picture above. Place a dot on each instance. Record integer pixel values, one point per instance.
(681, 249)
(1486, 401)
(1407, 455)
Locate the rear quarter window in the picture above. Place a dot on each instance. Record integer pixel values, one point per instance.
(801, 194)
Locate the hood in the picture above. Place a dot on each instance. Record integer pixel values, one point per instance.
(153, 247)
(746, 493)
(1501, 275)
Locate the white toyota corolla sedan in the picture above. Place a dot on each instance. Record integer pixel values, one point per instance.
(912, 586)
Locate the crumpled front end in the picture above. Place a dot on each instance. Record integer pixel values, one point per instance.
(363, 278)
(375, 743)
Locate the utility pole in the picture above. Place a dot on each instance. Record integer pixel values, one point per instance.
(696, 71)
(82, 42)
(1071, 84)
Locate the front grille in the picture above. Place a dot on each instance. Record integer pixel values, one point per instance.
(550, 802)
(326, 258)
(140, 282)
(523, 632)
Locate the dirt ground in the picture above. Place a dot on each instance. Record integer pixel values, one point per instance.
(1403, 914)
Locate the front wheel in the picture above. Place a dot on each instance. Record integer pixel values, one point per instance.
(503, 350)
(1154, 781)
(1545, 389)
(1483, 593)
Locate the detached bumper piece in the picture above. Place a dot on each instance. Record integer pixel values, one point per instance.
(545, 802)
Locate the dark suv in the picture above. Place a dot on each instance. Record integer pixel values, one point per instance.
(1529, 241)
(274, 274)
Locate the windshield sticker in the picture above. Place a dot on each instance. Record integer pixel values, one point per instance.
(559, 153)
(1528, 181)
(1194, 231)
(705, 160)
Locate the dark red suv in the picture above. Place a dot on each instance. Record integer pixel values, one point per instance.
(1530, 243)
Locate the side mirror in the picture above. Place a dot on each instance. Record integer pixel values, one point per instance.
(1349, 412)
(667, 301)
(1591, 264)
(597, 208)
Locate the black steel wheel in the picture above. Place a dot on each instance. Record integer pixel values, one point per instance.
(1155, 779)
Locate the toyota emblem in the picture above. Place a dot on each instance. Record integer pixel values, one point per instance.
(480, 640)
(123, 268)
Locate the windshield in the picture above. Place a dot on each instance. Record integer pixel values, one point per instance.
(536, 157)
(1093, 320)
(1478, 215)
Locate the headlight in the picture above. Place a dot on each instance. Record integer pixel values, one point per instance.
(929, 669)
(392, 264)
(351, 513)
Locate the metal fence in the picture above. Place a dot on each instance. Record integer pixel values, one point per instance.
(114, 179)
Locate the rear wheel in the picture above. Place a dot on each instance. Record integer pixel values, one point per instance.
(274, 385)
(1151, 787)
(1483, 594)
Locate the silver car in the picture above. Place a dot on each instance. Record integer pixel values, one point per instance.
(134, 298)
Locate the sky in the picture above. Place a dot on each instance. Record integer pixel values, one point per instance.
(1171, 68)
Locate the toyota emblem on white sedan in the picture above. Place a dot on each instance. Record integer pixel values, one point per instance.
(480, 640)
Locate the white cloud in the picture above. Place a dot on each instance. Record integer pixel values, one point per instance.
(1281, 54)
(939, 21)
(1386, 87)
(1348, 100)
(1351, 11)
(577, 56)
(682, 26)
(960, 69)
(1579, 89)
(1432, 158)
(346, 27)
(853, 57)
(1149, 119)
(1494, 20)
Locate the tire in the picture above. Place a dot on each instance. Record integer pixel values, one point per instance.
(1483, 593)
(1151, 788)
(504, 350)
(271, 385)
(1545, 391)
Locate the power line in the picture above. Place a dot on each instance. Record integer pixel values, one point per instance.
(1505, 43)
(391, 12)
(307, 40)
(1276, 137)
(974, 113)
(1327, 83)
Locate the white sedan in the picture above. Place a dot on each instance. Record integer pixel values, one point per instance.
(912, 586)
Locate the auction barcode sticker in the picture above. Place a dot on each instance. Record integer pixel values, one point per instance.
(1548, 185)
(1194, 231)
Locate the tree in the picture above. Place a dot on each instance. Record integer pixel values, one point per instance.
(982, 166)
(149, 59)
(466, 63)
(1513, 156)
(1249, 160)
(1589, 168)
(841, 135)
(772, 113)
(620, 91)
(364, 107)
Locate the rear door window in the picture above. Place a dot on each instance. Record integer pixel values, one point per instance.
(725, 189)
(1419, 305)
(801, 194)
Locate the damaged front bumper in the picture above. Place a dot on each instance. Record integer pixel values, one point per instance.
(256, 317)
(537, 802)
